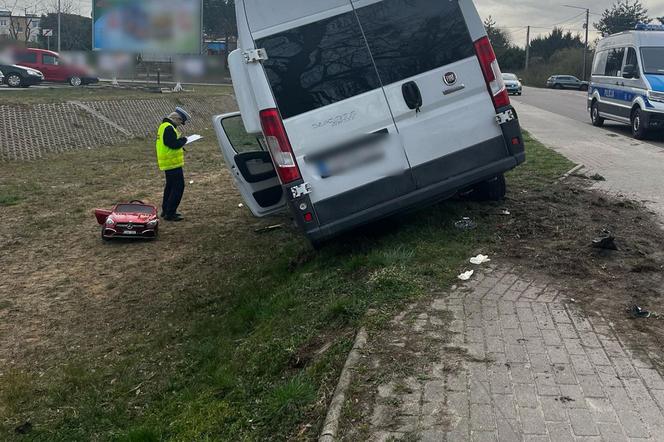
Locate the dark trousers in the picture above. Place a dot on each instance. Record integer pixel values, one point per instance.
(173, 191)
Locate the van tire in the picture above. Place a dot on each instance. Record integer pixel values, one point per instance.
(595, 118)
(639, 130)
(494, 189)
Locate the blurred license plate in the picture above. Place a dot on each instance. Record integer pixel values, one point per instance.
(349, 160)
(130, 232)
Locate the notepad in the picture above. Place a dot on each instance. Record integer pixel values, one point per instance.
(193, 138)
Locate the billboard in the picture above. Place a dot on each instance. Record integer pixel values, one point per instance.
(149, 26)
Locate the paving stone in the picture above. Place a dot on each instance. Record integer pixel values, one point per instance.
(582, 364)
(591, 385)
(583, 423)
(526, 395)
(508, 430)
(532, 421)
(652, 378)
(482, 417)
(564, 374)
(560, 431)
(551, 337)
(553, 409)
(612, 433)
(505, 406)
(574, 347)
(546, 384)
(558, 355)
(521, 373)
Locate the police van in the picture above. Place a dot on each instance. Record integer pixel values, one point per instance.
(627, 82)
(354, 110)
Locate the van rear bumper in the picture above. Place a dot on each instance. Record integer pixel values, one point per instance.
(514, 155)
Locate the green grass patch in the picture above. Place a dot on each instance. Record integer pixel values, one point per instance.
(259, 327)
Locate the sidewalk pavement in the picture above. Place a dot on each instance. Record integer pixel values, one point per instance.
(536, 369)
(631, 167)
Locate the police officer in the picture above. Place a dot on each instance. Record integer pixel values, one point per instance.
(170, 156)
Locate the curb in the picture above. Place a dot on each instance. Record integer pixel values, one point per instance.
(331, 426)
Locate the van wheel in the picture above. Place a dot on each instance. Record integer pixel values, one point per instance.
(75, 81)
(494, 189)
(639, 130)
(594, 115)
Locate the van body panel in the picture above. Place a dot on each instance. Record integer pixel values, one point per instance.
(244, 92)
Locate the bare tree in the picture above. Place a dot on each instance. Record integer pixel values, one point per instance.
(66, 7)
(20, 26)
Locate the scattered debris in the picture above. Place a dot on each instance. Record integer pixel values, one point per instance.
(571, 172)
(597, 177)
(466, 275)
(638, 312)
(24, 428)
(465, 223)
(269, 228)
(606, 241)
(572, 300)
(191, 182)
(479, 259)
(505, 212)
(240, 205)
(564, 399)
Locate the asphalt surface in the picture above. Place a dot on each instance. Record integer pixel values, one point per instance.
(573, 104)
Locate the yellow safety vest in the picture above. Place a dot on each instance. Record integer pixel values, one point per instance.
(168, 158)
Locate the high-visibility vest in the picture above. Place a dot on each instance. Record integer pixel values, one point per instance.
(168, 158)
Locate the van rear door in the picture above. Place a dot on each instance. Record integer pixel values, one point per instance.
(329, 95)
(424, 48)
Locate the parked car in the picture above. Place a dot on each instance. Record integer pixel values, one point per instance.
(19, 76)
(54, 67)
(627, 83)
(513, 84)
(566, 82)
(346, 133)
(2, 77)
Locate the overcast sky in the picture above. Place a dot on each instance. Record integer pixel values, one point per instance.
(513, 15)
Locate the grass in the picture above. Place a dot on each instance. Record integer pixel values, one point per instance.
(102, 92)
(214, 332)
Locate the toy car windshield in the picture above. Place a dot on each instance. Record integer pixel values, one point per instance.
(133, 208)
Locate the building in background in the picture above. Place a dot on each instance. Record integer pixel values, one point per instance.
(20, 28)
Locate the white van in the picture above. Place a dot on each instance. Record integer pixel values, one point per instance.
(354, 110)
(627, 82)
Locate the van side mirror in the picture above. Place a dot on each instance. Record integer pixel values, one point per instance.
(629, 71)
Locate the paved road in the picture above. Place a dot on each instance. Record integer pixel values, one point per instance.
(631, 168)
(573, 104)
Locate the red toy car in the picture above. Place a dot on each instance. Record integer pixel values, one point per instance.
(129, 220)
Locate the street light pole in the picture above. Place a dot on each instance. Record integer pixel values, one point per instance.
(59, 13)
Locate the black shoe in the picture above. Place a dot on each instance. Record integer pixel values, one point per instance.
(174, 218)
(163, 215)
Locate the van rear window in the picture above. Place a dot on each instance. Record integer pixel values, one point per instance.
(410, 37)
(318, 64)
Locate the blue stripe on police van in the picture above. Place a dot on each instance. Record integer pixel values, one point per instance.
(656, 82)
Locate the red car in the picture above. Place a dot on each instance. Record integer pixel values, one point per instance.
(54, 67)
(128, 220)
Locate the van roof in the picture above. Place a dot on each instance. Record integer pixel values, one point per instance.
(265, 14)
(637, 38)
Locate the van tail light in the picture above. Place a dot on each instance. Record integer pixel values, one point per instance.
(279, 146)
(492, 74)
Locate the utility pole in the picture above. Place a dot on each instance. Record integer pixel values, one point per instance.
(59, 14)
(527, 47)
(585, 48)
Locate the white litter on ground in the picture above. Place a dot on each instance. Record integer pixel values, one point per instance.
(466, 275)
(479, 259)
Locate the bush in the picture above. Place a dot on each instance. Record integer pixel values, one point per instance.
(562, 62)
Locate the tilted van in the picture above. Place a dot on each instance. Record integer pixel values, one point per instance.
(354, 110)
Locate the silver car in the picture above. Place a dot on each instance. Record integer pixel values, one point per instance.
(513, 84)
